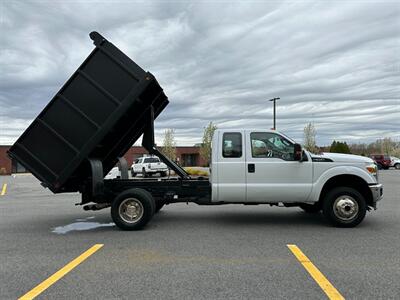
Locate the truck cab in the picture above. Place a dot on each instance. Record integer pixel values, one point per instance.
(262, 166)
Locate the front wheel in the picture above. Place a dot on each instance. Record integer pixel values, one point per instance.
(132, 209)
(344, 207)
(397, 166)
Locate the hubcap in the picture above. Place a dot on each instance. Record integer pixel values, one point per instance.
(131, 210)
(345, 208)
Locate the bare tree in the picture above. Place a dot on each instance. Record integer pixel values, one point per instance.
(169, 144)
(309, 138)
(387, 146)
(205, 149)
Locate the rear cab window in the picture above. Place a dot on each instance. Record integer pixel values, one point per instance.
(232, 145)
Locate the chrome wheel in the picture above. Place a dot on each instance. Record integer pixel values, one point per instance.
(131, 210)
(345, 208)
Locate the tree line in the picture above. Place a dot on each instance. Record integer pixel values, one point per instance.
(386, 146)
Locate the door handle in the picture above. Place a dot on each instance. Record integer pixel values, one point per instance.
(251, 168)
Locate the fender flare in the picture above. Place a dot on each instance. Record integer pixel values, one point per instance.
(337, 171)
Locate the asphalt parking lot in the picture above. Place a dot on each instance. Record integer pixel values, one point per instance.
(193, 252)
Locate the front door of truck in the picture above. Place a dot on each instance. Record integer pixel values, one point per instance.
(271, 172)
(231, 183)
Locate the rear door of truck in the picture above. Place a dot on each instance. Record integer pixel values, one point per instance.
(231, 172)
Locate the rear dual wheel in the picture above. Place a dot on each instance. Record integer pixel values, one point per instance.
(133, 209)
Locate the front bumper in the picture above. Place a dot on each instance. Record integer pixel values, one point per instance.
(377, 193)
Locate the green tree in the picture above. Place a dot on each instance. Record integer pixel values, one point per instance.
(169, 144)
(309, 138)
(339, 147)
(205, 149)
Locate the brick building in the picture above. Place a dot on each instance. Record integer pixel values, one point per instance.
(186, 157)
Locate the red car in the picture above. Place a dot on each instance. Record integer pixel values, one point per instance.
(383, 161)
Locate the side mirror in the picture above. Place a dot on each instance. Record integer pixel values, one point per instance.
(298, 152)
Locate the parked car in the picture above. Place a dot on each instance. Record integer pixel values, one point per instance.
(383, 161)
(114, 173)
(148, 166)
(395, 162)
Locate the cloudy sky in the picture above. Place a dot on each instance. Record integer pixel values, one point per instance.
(336, 64)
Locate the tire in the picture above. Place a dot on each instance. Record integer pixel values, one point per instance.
(385, 168)
(344, 207)
(311, 208)
(159, 206)
(397, 166)
(379, 167)
(144, 174)
(133, 173)
(140, 202)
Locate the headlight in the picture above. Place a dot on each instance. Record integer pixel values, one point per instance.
(371, 169)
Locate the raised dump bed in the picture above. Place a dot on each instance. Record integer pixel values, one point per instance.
(98, 114)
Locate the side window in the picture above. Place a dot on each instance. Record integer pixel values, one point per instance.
(232, 144)
(151, 160)
(137, 161)
(269, 144)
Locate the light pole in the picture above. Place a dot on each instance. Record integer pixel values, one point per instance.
(274, 100)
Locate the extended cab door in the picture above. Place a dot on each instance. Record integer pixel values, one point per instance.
(271, 172)
(229, 167)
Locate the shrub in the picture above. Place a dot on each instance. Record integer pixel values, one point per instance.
(196, 172)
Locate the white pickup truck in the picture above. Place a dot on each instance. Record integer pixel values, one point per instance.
(248, 166)
(264, 166)
(254, 167)
(148, 166)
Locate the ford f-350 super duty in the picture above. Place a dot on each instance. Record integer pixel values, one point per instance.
(110, 101)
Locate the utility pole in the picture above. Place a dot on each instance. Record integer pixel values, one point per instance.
(274, 100)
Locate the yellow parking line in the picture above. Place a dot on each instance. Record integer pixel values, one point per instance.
(60, 273)
(4, 189)
(322, 281)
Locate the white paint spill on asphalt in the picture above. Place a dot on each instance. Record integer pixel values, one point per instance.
(80, 225)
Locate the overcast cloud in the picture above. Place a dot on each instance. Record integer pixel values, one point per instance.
(332, 63)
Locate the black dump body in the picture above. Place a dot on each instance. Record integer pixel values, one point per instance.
(98, 114)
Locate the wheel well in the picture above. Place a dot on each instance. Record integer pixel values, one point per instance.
(351, 181)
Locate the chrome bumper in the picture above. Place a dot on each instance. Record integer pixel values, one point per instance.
(377, 193)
